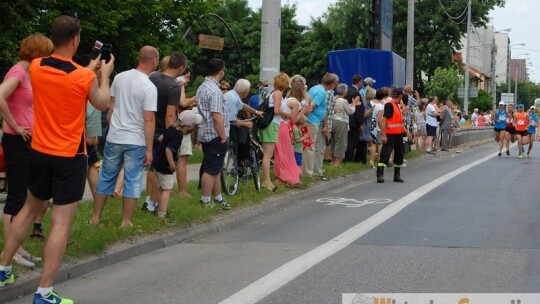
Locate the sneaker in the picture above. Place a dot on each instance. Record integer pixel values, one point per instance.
(149, 206)
(52, 298)
(507, 152)
(209, 205)
(323, 178)
(37, 233)
(223, 204)
(520, 155)
(167, 219)
(20, 260)
(26, 255)
(499, 154)
(6, 278)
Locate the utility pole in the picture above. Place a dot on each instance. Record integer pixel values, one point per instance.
(467, 60)
(493, 74)
(270, 40)
(410, 44)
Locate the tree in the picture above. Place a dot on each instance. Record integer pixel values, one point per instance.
(128, 24)
(444, 84)
(483, 102)
(436, 36)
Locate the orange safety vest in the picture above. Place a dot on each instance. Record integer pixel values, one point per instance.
(394, 125)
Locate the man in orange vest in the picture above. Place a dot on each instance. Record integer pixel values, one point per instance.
(392, 132)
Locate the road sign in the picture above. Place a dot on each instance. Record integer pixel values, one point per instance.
(507, 97)
(473, 92)
(211, 42)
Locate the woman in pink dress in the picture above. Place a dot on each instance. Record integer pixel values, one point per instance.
(285, 167)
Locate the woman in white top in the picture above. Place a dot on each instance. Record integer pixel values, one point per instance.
(420, 121)
(269, 135)
(378, 109)
(285, 168)
(340, 123)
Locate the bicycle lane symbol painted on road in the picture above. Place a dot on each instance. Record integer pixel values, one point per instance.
(351, 202)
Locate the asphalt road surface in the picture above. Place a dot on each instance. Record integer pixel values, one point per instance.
(462, 222)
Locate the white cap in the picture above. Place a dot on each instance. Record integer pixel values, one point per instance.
(502, 103)
(369, 80)
(533, 108)
(189, 117)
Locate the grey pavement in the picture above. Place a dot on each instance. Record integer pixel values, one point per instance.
(477, 232)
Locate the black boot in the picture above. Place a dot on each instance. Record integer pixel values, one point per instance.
(397, 175)
(380, 174)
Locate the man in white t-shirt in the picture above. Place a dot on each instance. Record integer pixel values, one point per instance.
(130, 138)
(432, 112)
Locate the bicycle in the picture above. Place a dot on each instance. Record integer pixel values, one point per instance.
(233, 172)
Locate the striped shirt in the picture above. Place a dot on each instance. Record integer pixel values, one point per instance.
(330, 102)
(210, 100)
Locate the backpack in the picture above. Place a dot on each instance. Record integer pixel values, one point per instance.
(268, 113)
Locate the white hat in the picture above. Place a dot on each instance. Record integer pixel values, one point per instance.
(369, 80)
(502, 103)
(533, 108)
(189, 117)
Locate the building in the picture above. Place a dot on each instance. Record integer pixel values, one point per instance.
(482, 50)
(502, 56)
(518, 70)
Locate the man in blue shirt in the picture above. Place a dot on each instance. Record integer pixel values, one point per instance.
(317, 124)
(239, 131)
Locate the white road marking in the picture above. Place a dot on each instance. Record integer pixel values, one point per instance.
(351, 202)
(276, 279)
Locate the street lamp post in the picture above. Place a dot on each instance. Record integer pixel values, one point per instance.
(493, 67)
(508, 62)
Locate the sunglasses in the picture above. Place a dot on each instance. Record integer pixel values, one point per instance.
(224, 89)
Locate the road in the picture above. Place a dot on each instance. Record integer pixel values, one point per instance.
(467, 222)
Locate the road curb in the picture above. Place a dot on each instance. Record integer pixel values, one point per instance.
(25, 286)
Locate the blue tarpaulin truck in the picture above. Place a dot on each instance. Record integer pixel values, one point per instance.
(386, 67)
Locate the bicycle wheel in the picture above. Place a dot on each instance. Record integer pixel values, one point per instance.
(255, 169)
(229, 174)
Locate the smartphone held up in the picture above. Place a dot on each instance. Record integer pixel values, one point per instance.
(102, 48)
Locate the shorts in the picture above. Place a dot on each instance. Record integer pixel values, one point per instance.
(522, 133)
(165, 181)
(269, 134)
(214, 155)
(511, 130)
(61, 178)
(131, 157)
(92, 155)
(431, 130)
(186, 146)
(532, 132)
(298, 158)
(498, 130)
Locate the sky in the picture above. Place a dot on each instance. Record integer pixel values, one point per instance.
(517, 15)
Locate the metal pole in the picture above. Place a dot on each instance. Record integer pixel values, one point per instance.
(493, 74)
(270, 40)
(410, 44)
(508, 67)
(467, 60)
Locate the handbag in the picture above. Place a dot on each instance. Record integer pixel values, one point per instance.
(268, 113)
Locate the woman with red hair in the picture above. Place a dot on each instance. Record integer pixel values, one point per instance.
(16, 109)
